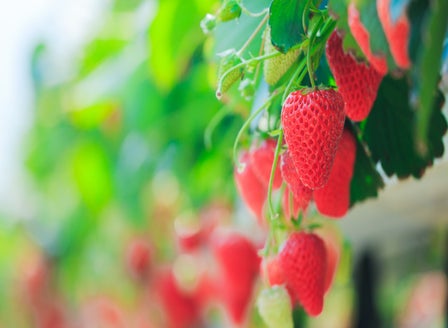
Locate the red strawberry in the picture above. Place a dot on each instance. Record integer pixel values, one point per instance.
(304, 262)
(312, 124)
(272, 271)
(239, 264)
(362, 37)
(262, 159)
(334, 198)
(251, 189)
(357, 83)
(301, 193)
(180, 308)
(397, 33)
(138, 257)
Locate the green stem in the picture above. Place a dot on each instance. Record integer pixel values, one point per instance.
(292, 80)
(271, 178)
(217, 118)
(253, 35)
(251, 14)
(246, 124)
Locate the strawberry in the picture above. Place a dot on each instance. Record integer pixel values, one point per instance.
(333, 199)
(397, 33)
(357, 82)
(229, 60)
(261, 159)
(301, 193)
(272, 271)
(138, 258)
(239, 265)
(274, 68)
(362, 37)
(304, 262)
(180, 308)
(275, 308)
(312, 124)
(251, 189)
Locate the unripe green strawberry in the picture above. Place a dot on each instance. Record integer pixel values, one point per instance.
(229, 60)
(208, 23)
(229, 10)
(247, 89)
(274, 306)
(274, 68)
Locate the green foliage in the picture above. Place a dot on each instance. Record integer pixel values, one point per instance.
(389, 131)
(429, 73)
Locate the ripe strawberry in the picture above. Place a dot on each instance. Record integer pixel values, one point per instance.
(229, 60)
(180, 308)
(272, 272)
(275, 307)
(301, 193)
(251, 189)
(312, 124)
(138, 258)
(362, 37)
(333, 199)
(397, 33)
(357, 82)
(304, 262)
(239, 265)
(274, 68)
(261, 159)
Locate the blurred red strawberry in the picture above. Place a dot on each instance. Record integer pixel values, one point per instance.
(138, 257)
(180, 308)
(239, 266)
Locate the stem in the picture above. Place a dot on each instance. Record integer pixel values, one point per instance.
(271, 178)
(304, 13)
(253, 35)
(246, 124)
(251, 14)
(291, 80)
(217, 118)
(308, 54)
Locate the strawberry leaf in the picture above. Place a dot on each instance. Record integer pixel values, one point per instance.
(366, 180)
(285, 20)
(389, 131)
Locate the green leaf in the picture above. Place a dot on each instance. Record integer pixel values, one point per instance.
(429, 68)
(366, 180)
(389, 131)
(173, 44)
(92, 174)
(286, 25)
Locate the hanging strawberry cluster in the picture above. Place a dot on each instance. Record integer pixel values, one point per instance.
(308, 141)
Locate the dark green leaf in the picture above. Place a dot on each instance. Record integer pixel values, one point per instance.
(285, 21)
(389, 131)
(366, 180)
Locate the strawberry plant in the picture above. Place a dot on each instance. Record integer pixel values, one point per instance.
(195, 166)
(339, 86)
